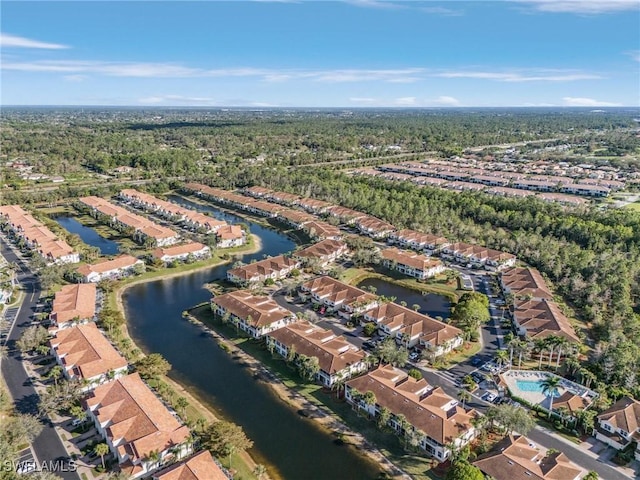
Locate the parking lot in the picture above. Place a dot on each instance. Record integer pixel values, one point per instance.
(26, 461)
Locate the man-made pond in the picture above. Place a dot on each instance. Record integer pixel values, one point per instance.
(88, 235)
(291, 446)
(430, 303)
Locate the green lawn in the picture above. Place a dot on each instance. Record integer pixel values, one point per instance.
(634, 206)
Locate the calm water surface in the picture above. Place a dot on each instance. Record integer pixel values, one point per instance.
(88, 235)
(430, 304)
(291, 446)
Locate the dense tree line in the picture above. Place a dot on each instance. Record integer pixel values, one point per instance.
(182, 142)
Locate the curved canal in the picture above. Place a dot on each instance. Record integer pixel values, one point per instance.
(291, 446)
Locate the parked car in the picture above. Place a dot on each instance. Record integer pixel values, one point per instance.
(475, 361)
(489, 397)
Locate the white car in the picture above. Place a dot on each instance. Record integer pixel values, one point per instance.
(489, 397)
(26, 467)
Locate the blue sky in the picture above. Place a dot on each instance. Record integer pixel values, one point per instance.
(358, 53)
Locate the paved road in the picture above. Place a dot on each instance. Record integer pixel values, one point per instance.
(47, 445)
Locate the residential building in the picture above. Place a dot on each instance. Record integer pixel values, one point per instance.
(541, 318)
(86, 355)
(258, 192)
(374, 227)
(253, 314)
(619, 425)
(175, 213)
(283, 198)
(295, 218)
(524, 282)
(273, 268)
(314, 206)
(73, 304)
(116, 268)
(478, 256)
(323, 252)
(230, 236)
(201, 466)
(337, 296)
(142, 228)
(536, 185)
(37, 237)
(140, 431)
(411, 328)
(418, 240)
(586, 190)
(437, 420)
(411, 264)
(345, 215)
(319, 230)
(338, 359)
(182, 252)
(516, 457)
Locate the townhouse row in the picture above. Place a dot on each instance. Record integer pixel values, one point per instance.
(118, 217)
(490, 185)
(226, 235)
(142, 433)
(534, 313)
(379, 229)
(539, 183)
(316, 229)
(476, 256)
(320, 254)
(36, 237)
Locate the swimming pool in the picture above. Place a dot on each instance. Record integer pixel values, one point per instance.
(532, 386)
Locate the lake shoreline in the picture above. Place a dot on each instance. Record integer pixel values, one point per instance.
(328, 421)
(207, 412)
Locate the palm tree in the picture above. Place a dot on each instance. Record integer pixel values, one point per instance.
(502, 356)
(540, 345)
(524, 350)
(101, 449)
(464, 396)
(153, 456)
(550, 389)
(511, 340)
(55, 373)
(562, 345)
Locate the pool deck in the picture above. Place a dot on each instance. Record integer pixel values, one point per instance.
(511, 377)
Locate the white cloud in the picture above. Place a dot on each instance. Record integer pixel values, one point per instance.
(540, 76)
(443, 11)
(406, 75)
(446, 101)
(7, 40)
(167, 70)
(405, 101)
(591, 7)
(587, 102)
